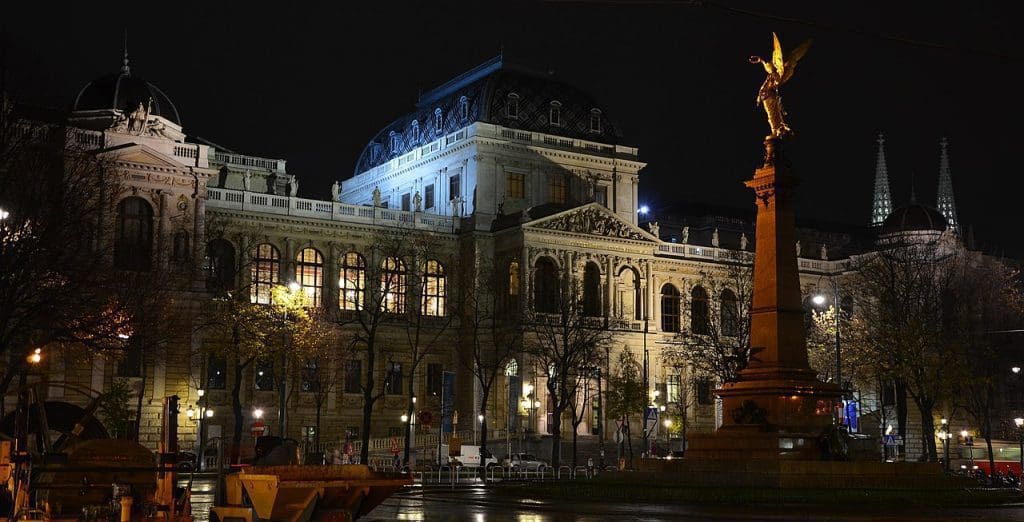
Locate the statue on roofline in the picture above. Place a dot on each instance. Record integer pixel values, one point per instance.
(778, 71)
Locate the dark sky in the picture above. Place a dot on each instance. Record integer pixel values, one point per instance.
(313, 85)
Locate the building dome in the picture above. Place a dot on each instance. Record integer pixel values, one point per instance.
(913, 218)
(124, 92)
(496, 92)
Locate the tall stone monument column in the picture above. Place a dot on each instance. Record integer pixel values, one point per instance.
(777, 408)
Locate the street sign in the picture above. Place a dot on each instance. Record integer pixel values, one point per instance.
(892, 440)
(618, 436)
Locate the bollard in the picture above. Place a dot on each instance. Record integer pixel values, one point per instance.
(126, 508)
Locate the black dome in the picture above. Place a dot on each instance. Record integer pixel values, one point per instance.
(124, 92)
(913, 218)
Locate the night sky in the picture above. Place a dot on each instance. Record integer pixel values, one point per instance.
(313, 85)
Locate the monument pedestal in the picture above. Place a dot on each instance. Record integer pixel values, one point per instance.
(777, 409)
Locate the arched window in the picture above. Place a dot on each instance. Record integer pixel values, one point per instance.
(699, 311)
(309, 273)
(414, 132)
(592, 290)
(729, 313)
(512, 106)
(555, 114)
(435, 289)
(595, 120)
(670, 308)
(219, 265)
(438, 121)
(545, 286)
(134, 243)
(395, 141)
(352, 281)
(266, 265)
(392, 285)
(463, 108)
(512, 368)
(631, 302)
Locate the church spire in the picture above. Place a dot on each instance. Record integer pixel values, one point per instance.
(944, 198)
(882, 205)
(124, 65)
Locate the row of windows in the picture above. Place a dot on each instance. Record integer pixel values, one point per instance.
(554, 113)
(700, 311)
(516, 189)
(264, 378)
(395, 139)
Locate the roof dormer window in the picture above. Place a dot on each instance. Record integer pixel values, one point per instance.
(595, 120)
(555, 114)
(395, 141)
(512, 106)
(414, 132)
(438, 121)
(463, 108)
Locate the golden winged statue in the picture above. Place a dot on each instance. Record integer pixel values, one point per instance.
(779, 70)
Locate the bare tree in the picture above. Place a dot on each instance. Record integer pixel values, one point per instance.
(320, 350)
(626, 397)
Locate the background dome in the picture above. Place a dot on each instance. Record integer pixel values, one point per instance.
(124, 92)
(914, 218)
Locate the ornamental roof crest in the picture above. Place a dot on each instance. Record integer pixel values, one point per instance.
(592, 219)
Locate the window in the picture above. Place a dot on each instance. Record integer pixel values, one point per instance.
(595, 120)
(406, 202)
(219, 265)
(393, 380)
(463, 108)
(434, 289)
(673, 388)
(264, 378)
(704, 392)
(353, 376)
(558, 189)
(392, 285)
(428, 197)
(512, 106)
(134, 243)
(512, 368)
(309, 434)
(699, 313)
(545, 286)
(513, 279)
(730, 314)
(555, 114)
(180, 251)
(414, 132)
(266, 265)
(438, 121)
(592, 290)
(601, 195)
(670, 308)
(395, 141)
(516, 185)
(311, 375)
(351, 281)
(453, 187)
(309, 272)
(217, 373)
(435, 375)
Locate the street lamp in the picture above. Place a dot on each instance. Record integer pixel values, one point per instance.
(944, 435)
(668, 444)
(969, 444)
(1015, 369)
(1020, 437)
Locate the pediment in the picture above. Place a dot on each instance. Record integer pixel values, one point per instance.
(141, 154)
(592, 219)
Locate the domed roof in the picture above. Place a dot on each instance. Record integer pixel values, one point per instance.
(913, 218)
(483, 94)
(124, 92)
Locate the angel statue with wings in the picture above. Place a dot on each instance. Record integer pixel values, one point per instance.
(779, 70)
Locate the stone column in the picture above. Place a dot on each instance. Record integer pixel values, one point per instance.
(199, 230)
(163, 232)
(287, 263)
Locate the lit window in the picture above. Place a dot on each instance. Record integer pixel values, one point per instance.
(463, 108)
(393, 379)
(309, 273)
(434, 289)
(392, 285)
(512, 368)
(673, 388)
(595, 120)
(516, 185)
(351, 281)
(559, 192)
(266, 265)
(134, 244)
(512, 106)
(555, 114)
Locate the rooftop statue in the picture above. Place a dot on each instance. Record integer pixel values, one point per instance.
(778, 71)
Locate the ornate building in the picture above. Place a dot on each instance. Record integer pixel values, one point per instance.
(512, 175)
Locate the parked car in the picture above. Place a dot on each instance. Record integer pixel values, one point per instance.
(470, 457)
(523, 461)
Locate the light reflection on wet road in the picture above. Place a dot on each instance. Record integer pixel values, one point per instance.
(477, 505)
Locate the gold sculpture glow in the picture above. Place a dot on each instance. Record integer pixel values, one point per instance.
(779, 70)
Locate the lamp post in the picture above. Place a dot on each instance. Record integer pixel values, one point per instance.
(944, 435)
(668, 444)
(200, 416)
(970, 445)
(647, 445)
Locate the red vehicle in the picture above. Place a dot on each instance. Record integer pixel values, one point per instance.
(967, 458)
